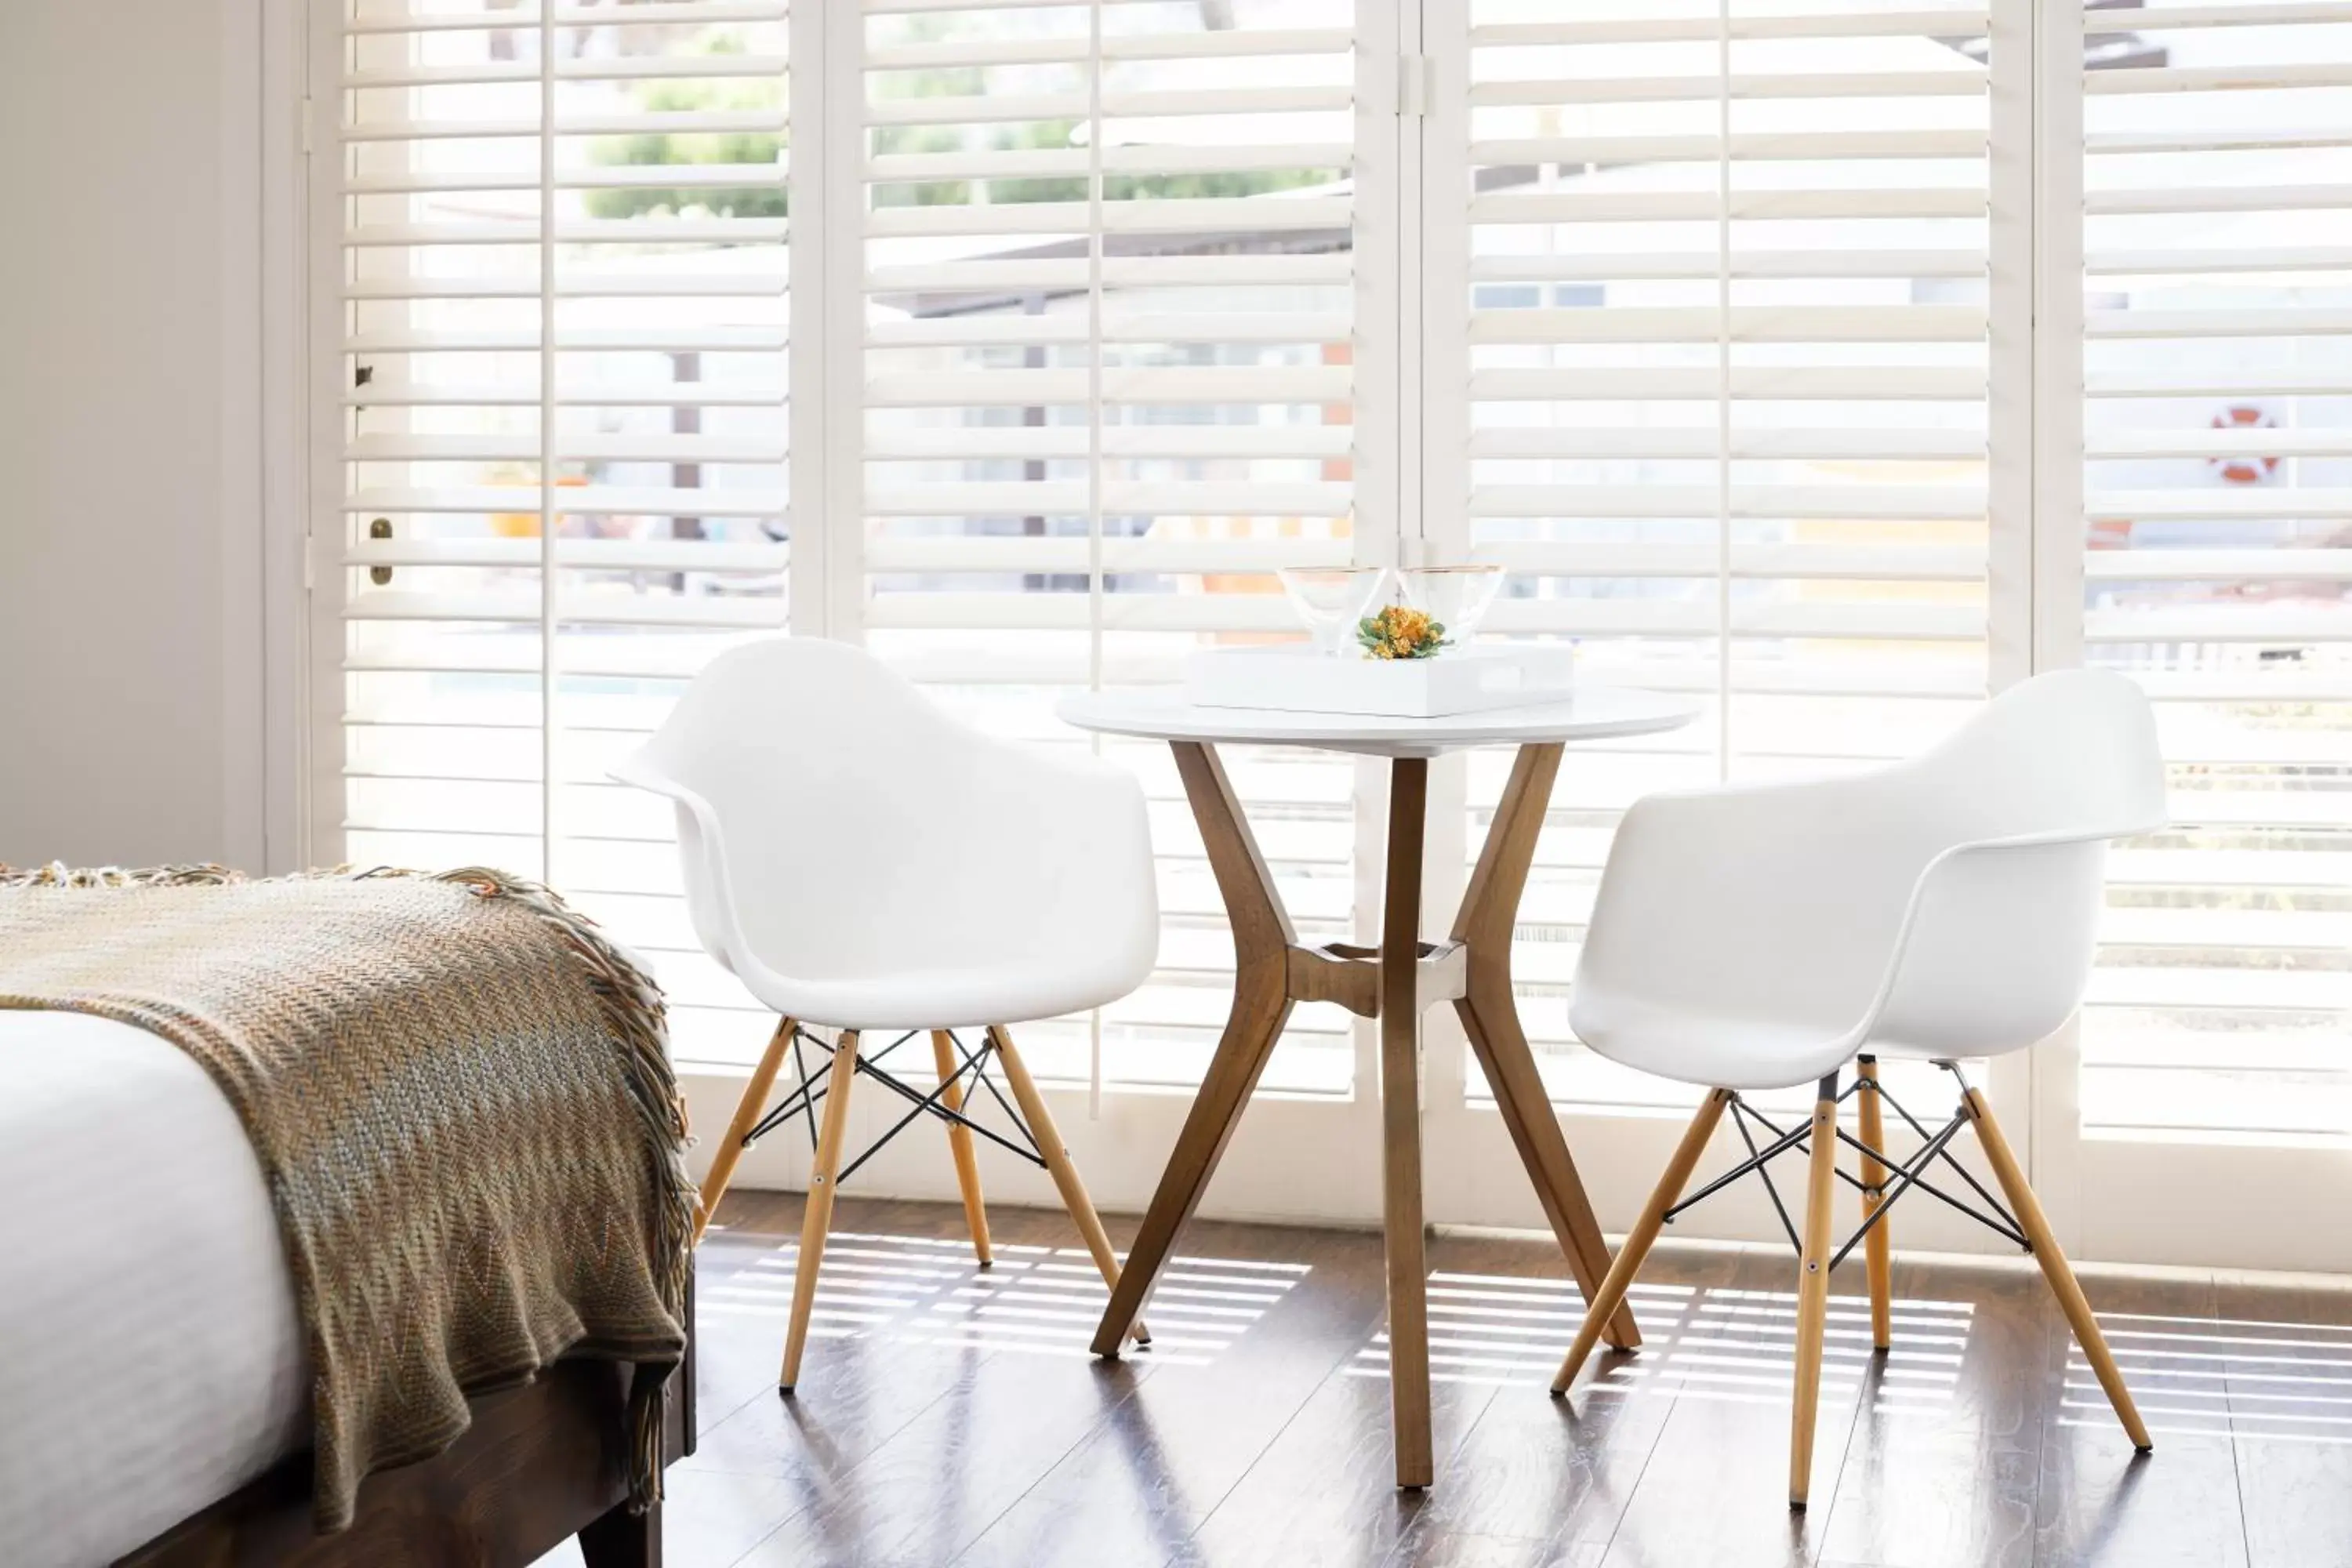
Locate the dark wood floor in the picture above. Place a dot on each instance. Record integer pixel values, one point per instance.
(951, 1415)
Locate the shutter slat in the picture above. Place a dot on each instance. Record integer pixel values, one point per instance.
(1870, 502)
(2274, 623)
(573, 285)
(1607, 265)
(1923, 22)
(1038, 441)
(2231, 443)
(2173, 18)
(632, 122)
(1794, 146)
(2261, 258)
(1068, 498)
(1702, 324)
(1632, 206)
(1196, 215)
(524, 231)
(1073, 555)
(668, 13)
(1795, 382)
(1687, 89)
(2219, 79)
(1880, 563)
(1942, 443)
(570, 500)
(1159, 327)
(598, 554)
(524, 446)
(2248, 502)
(2219, 566)
(1317, 384)
(1899, 622)
(2257, 197)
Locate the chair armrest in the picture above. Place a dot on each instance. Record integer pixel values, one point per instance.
(710, 892)
(2023, 907)
(1784, 899)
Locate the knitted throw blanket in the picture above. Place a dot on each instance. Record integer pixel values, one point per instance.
(460, 1096)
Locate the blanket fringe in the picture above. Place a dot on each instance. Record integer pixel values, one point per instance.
(58, 874)
(635, 1007)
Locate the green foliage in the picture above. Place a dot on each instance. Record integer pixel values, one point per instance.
(658, 150)
(668, 148)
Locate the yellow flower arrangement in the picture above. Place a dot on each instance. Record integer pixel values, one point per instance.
(1397, 632)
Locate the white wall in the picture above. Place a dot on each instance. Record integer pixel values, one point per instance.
(132, 688)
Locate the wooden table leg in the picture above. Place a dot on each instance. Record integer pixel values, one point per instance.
(1401, 1210)
(1271, 971)
(1262, 942)
(1490, 909)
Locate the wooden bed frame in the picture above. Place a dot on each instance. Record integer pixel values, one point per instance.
(540, 1463)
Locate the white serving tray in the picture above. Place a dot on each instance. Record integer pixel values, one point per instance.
(1296, 679)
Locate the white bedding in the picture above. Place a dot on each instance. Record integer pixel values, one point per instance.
(151, 1361)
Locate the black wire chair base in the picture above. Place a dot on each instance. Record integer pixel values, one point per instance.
(972, 1069)
(1935, 1146)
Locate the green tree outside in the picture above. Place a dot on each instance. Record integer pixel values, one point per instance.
(671, 149)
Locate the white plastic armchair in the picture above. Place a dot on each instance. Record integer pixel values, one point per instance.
(1758, 937)
(860, 860)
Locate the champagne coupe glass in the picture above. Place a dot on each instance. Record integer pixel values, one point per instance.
(1456, 598)
(1331, 600)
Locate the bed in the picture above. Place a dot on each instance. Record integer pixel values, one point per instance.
(154, 1398)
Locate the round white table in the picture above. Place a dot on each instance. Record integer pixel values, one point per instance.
(1393, 983)
(1594, 713)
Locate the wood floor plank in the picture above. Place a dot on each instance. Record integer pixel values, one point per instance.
(2101, 1506)
(1553, 1470)
(1715, 1489)
(1292, 1307)
(1945, 1454)
(1324, 1489)
(956, 1417)
(1012, 1392)
(2288, 1361)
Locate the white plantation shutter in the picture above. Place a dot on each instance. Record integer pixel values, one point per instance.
(1722, 275)
(2217, 232)
(1742, 332)
(564, 432)
(1109, 268)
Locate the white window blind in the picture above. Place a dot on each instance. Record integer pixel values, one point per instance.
(1109, 307)
(1723, 408)
(564, 242)
(2217, 213)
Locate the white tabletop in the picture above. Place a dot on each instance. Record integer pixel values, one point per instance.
(1162, 713)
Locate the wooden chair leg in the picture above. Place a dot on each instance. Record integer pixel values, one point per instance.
(2054, 1267)
(619, 1539)
(1878, 1246)
(1611, 1295)
(967, 1163)
(1813, 1290)
(818, 1218)
(748, 1111)
(1057, 1163)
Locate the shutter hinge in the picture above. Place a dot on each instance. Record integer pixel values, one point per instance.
(1416, 85)
(309, 563)
(302, 118)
